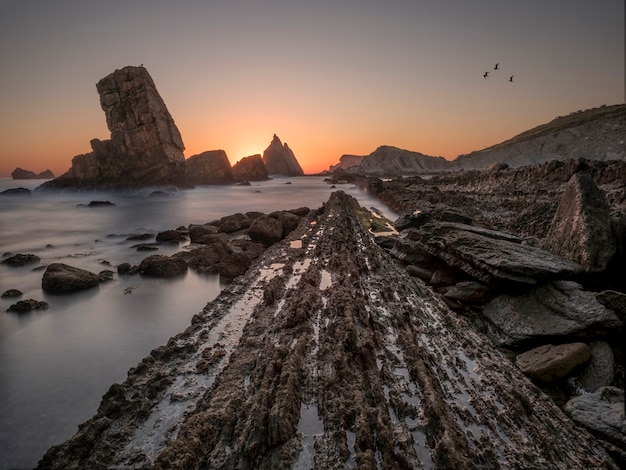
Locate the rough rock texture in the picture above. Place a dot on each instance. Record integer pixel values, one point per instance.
(145, 147)
(327, 356)
(600, 370)
(25, 306)
(20, 174)
(61, 278)
(603, 414)
(210, 167)
(556, 309)
(163, 266)
(548, 363)
(266, 230)
(581, 229)
(250, 168)
(280, 160)
(386, 160)
(21, 259)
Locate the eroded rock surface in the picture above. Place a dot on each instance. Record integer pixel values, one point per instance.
(325, 356)
(279, 159)
(61, 278)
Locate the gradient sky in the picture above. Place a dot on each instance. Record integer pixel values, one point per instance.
(329, 77)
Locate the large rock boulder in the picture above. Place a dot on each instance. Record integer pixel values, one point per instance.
(548, 363)
(145, 148)
(581, 228)
(205, 234)
(250, 168)
(210, 167)
(556, 309)
(602, 413)
(61, 278)
(266, 230)
(163, 266)
(280, 160)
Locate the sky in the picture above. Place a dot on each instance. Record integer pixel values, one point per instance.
(329, 77)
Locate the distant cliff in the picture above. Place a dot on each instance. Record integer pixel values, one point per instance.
(280, 160)
(594, 134)
(21, 174)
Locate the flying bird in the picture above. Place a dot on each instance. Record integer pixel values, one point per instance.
(511, 78)
(496, 67)
(486, 75)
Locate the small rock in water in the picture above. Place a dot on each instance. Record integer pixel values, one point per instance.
(21, 260)
(11, 293)
(24, 306)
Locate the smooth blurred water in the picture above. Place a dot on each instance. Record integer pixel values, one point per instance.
(56, 364)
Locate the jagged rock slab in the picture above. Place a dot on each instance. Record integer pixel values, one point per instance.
(560, 309)
(494, 257)
(250, 168)
(279, 159)
(327, 355)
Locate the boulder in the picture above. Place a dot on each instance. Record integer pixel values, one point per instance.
(251, 249)
(234, 223)
(21, 260)
(11, 293)
(602, 413)
(468, 291)
(289, 220)
(581, 228)
(210, 167)
(162, 266)
(61, 278)
(280, 160)
(127, 269)
(206, 260)
(16, 192)
(205, 234)
(266, 230)
(250, 168)
(145, 148)
(233, 265)
(555, 309)
(170, 236)
(600, 370)
(548, 363)
(24, 306)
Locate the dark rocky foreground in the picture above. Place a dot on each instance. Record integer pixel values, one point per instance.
(328, 354)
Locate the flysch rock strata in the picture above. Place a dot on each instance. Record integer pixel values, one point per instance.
(326, 354)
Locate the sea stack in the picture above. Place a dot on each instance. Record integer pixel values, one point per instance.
(145, 147)
(280, 160)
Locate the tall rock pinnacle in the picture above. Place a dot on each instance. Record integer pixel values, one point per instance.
(145, 148)
(280, 160)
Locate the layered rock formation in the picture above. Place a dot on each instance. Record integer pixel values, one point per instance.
(250, 168)
(280, 160)
(326, 354)
(145, 147)
(387, 160)
(20, 174)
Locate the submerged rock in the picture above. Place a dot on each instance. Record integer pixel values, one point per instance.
(61, 278)
(21, 259)
(163, 266)
(25, 306)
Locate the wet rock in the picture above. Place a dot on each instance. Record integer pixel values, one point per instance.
(163, 266)
(600, 370)
(127, 269)
(11, 293)
(205, 234)
(159, 193)
(21, 260)
(288, 219)
(139, 236)
(61, 278)
(581, 229)
(556, 309)
(602, 413)
(16, 192)
(106, 276)
(146, 247)
(468, 291)
(233, 265)
(266, 230)
(251, 249)
(97, 204)
(170, 236)
(25, 306)
(548, 363)
(206, 260)
(233, 223)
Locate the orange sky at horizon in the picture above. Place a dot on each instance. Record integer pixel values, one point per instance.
(329, 78)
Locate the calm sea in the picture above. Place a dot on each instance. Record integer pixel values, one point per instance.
(56, 364)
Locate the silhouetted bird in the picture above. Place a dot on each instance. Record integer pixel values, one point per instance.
(486, 75)
(511, 78)
(496, 67)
